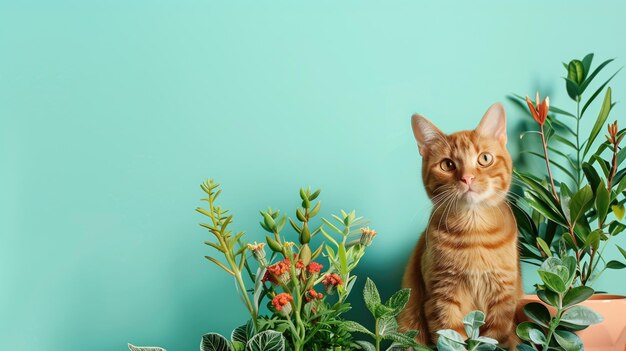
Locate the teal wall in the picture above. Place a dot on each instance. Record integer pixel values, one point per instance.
(113, 113)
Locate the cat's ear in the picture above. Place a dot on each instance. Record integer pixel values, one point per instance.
(425, 132)
(493, 124)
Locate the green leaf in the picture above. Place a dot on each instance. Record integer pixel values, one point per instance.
(577, 295)
(622, 251)
(538, 313)
(587, 63)
(580, 203)
(523, 330)
(366, 346)
(356, 327)
(387, 325)
(613, 264)
(596, 93)
(398, 300)
(524, 347)
(237, 346)
(576, 72)
(268, 340)
(383, 311)
(602, 202)
(568, 340)
(243, 333)
(602, 116)
(549, 297)
(486, 340)
(595, 72)
(371, 296)
(581, 315)
(537, 337)
(132, 347)
(570, 263)
(553, 281)
(572, 89)
(616, 227)
(445, 344)
(592, 175)
(472, 323)
(543, 208)
(214, 342)
(618, 210)
(544, 246)
(343, 260)
(451, 335)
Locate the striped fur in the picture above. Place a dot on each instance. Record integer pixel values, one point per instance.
(467, 258)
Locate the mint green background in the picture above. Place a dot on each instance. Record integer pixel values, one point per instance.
(113, 113)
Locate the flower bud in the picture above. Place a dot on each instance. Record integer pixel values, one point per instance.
(367, 235)
(258, 251)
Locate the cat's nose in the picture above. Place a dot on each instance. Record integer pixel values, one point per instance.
(467, 179)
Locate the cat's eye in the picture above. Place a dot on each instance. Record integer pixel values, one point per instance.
(447, 165)
(485, 159)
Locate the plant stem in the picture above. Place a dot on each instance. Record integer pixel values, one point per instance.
(554, 323)
(377, 336)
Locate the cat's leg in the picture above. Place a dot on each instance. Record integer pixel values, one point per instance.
(500, 318)
(446, 305)
(412, 316)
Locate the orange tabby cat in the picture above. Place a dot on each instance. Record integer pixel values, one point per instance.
(467, 258)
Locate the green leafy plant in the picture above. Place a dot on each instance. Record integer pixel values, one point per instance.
(546, 331)
(580, 212)
(451, 340)
(289, 277)
(386, 326)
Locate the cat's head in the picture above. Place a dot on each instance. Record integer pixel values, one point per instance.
(473, 167)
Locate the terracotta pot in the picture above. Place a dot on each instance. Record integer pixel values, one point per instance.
(610, 335)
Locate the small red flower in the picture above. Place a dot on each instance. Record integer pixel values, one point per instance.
(279, 271)
(332, 279)
(539, 110)
(313, 295)
(281, 300)
(299, 264)
(314, 267)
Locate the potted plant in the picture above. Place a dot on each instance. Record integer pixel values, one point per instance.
(576, 205)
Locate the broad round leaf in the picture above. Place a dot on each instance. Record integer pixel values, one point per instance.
(577, 295)
(568, 340)
(243, 333)
(537, 337)
(445, 344)
(523, 330)
(581, 315)
(451, 335)
(552, 281)
(214, 342)
(549, 297)
(537, 313)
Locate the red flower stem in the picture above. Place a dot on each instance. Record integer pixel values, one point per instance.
(547, 159)
(556, 197)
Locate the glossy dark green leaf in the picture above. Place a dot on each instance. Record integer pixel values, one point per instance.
(592, 175)
(602, 116)
(580, 203)
(553, 281)
(587, 63)
(602, 201)
(538, 313)
(549, 297)
(616, 227)
(577, 295)
(572, 89)
(596, 93)
(594, 73)
(214, 342)
(613, 264)
(576, 72)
